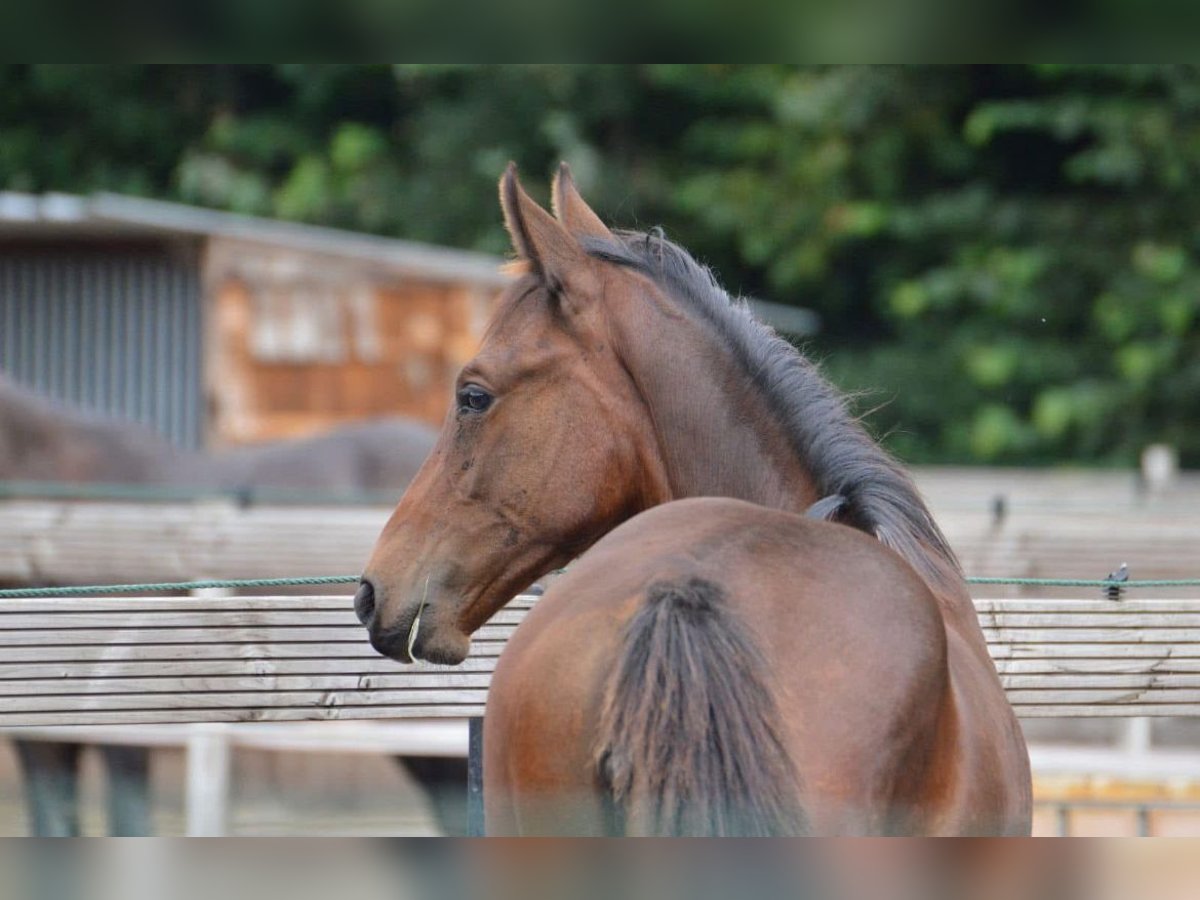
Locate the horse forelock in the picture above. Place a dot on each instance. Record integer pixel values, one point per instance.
(840, 455)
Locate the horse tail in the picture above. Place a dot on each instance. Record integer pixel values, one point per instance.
(689, 738)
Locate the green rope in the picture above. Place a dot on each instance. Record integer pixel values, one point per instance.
(151, 587)
(1089, 582)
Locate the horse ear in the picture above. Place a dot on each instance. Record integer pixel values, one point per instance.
(536, 235)
(572, 210)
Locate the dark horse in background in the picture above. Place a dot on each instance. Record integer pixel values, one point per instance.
(42, 440)
(718, 662)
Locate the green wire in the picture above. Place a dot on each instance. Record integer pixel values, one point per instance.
(155, 586)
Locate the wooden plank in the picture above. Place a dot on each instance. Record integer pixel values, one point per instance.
(248, 714)
(353, 633)
(1076, 651)
(216, 634)
(452, 677)
(334, 601)
(1106, 696)
(243, 652)
(160, 735)
(1106, 636)
(247, 654)
(1153, 682)
(1111, 710)
(284, 714)
(421, 737)
(417, 680)
(294, 690)
(152, 618)
(141, 605)
(133, 635)
(85, 704)
(137, 606)
(1032, 605)
(1068, 667)
(139, 668)
(1107, 621)
(480, 678)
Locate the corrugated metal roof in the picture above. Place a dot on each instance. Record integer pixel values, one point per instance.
(114, 215)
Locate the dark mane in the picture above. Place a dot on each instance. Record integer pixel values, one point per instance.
(878, 496)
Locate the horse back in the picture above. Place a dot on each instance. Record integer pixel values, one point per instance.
(853, 656)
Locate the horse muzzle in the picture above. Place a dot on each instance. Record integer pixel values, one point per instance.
(422, 631)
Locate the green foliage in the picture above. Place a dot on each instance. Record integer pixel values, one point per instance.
(1005, 259)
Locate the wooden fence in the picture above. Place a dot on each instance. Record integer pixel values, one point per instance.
(74, 542)
(142, 660)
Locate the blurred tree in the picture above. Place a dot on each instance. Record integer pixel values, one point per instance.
(1005, 258)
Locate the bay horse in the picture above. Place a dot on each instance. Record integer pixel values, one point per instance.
(42, 440)
(718, 662)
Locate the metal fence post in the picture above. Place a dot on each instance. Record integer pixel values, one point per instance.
(475, 823)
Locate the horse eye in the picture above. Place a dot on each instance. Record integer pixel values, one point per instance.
(473, 398)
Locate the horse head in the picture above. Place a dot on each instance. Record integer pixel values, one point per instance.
(545, 449)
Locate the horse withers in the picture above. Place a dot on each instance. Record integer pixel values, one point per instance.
(711, 666)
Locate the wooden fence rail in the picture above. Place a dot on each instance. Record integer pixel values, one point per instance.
(74, 542)
(94, 542)
(141, 660)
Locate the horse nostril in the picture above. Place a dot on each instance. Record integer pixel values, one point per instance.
(364, 602)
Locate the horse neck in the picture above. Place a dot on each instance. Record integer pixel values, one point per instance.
(716, 435)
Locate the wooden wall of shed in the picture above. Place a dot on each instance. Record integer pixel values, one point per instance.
(290, 356)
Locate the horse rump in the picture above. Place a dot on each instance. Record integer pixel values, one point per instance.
(689, 740)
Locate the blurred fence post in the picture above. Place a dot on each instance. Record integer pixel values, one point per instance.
(208, 768)
(475, 823)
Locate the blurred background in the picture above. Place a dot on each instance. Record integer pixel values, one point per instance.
(1003, 256)
(276, 272)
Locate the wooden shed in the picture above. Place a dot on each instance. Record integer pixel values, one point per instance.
(223, 329)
